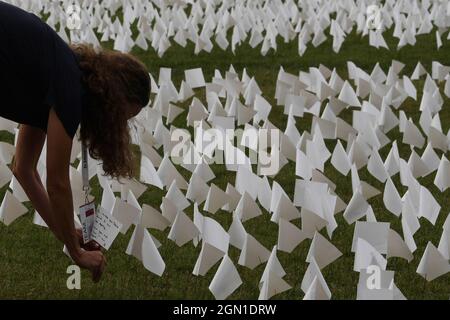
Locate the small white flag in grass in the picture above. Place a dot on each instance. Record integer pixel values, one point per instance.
(356, 208)
(204, 171)
(253, 253)
(397, 247)
(375, 284)
(408, 233)
(272, 285)
(7, 152)
(376, 167)
(313, 274)
(285, 210)
(433, 264)
(135, 186)
(311, 222)
(303, 165)
(168, 173)
(442, 179)
(322, 251)
(265, 193)
(148, 173)
(348, 95)
(208, 257)
(233, 198)
(416, 165)
(126, 214)
(194, 77)
(273, 265)
(247, 208)
(289, 236)
(185, 91)
(409, 87)
(391, 198)
(418, 71)
(198, 189)
(142, 247)
(152, 218)
(317, 291)
(183, 230)
(430, 159)
(340, 159)
(226, 280)
(5, 174)
(438, 39)
(444, 243)
(237, 233)
(37, 220)
(392, 162)
(429, 208)
(173, 112)
(366, 255)
(213, 233)
(375, 233)
(412, 135)
(216, 199)
(168, 210)
(18, 191)
(272, 282)
(11, 208)
(246, 180)
(177, 197)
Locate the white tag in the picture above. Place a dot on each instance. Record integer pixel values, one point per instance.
(106, 228)
(87, 219)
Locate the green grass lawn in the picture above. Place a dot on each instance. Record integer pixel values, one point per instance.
(33, 266)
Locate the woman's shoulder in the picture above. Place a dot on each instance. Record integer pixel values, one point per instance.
(68, 92)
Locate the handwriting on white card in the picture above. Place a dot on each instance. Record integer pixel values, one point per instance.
(106, 229)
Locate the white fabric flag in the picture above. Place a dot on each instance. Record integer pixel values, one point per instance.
(366, 255)
(226, 280)
(289, 236)
(391, 198)
(11, 208)
(194, 77)
(397, 247)
(183, 229)
(442, 179)
(444, 243)
(312, 274)
(253, 253)
(433, 264)
(322, 251)
(375, 233)
(143, 247)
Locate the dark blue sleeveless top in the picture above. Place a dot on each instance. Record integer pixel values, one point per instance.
(38, 71)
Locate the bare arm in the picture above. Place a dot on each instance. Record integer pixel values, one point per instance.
(54, 206)
(59, 146)
(28, 150)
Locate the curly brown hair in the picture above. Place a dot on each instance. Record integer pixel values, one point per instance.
(114, 81)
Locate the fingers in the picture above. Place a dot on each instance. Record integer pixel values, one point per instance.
(95, 245)
(90, 246)
(98, 271)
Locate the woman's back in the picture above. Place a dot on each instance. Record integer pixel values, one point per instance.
(38, 70)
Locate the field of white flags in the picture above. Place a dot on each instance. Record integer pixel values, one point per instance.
(350, 121)
(159, 24)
